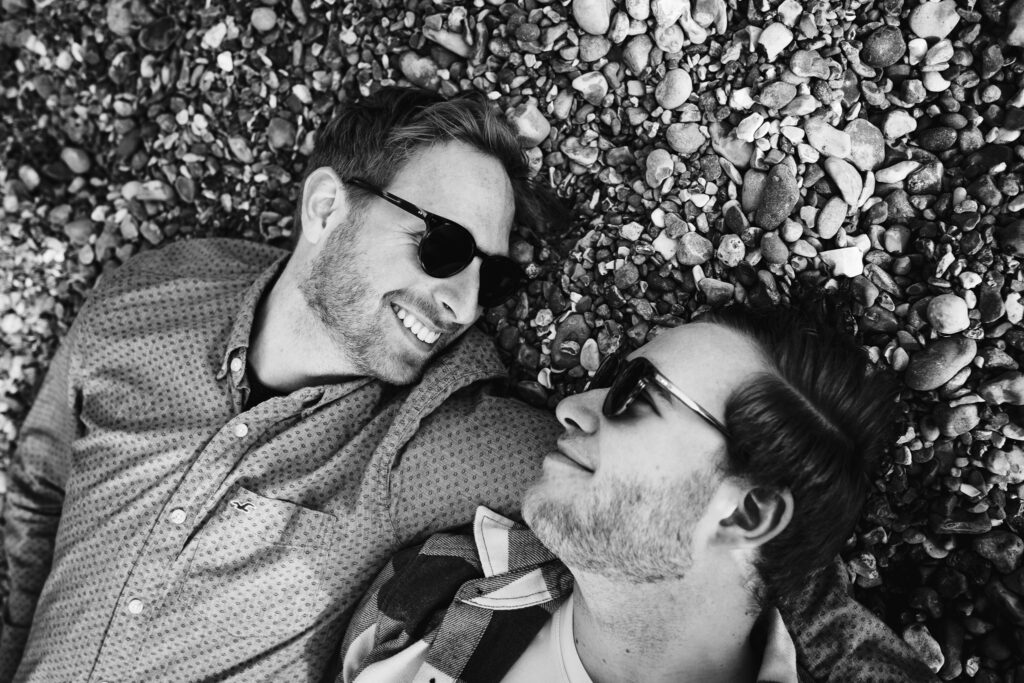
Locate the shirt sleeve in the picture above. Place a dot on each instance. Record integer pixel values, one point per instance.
(838, 639)
(35, 496)
(478, 448)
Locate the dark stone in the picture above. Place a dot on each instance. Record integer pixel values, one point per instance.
(778, 199)
(927, 600)
(1010, 604)
(528, 357)
(950, 635)
(878, 319)
(1003, 549)
(985, 191)
(949, 582)
(939, 362)
(533, 393)
(1010, 237)
(508, 337)
(981, 161)
(937, 138)
(884, 47)
(159, 35)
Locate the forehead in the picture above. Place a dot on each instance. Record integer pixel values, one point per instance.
(458, 182)
(706, 360)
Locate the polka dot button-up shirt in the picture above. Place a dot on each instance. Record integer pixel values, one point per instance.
(159, 529)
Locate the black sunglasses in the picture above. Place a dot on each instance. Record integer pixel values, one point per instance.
(447, 249)
(628, 380)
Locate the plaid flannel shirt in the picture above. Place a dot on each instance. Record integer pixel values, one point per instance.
(465, 608)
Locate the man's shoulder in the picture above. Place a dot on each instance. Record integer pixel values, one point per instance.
(207, 259)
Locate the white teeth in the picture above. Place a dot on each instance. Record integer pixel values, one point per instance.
(416, 327)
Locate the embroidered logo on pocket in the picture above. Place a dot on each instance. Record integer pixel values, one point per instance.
(239, 505)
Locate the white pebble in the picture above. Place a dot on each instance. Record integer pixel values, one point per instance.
(225, 62)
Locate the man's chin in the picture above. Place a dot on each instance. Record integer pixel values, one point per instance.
(401, 367)
(541, 503)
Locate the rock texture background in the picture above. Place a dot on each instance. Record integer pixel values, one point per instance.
(713, 152)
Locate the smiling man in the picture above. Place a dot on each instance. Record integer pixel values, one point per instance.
(232, 438)
(695, 491)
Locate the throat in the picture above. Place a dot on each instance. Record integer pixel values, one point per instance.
(654, 637)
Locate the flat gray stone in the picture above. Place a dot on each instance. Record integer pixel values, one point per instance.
(779, 198)
(867, 145)
(938, 362)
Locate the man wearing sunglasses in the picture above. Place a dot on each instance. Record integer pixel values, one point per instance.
(695, 490)
(233, 438)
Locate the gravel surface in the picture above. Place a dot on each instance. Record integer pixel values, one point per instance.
(714, 152)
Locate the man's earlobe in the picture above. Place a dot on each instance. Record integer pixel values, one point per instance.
(761, 516)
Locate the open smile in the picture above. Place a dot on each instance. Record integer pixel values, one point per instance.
(415, 327)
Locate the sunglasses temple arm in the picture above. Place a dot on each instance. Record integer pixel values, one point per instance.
(690, 403)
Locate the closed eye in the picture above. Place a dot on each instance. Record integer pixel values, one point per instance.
(644, 401)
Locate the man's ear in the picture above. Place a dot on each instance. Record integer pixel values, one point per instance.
(324, 203)
(760, 515)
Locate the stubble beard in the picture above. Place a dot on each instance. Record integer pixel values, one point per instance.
(339, 293)
(629, 532)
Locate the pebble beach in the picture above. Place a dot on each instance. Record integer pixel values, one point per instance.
(709, 152)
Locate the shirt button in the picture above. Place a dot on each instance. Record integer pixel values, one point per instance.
(236, 365)
(177, 516)
(241, 429)
(135, 606)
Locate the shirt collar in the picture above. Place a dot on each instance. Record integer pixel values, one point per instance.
(778, 662)
(505, 546)
(241, 329)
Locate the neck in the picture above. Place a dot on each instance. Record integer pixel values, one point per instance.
(289, 348)
(690, 629)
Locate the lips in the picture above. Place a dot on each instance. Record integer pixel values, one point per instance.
(423, 331)
(562, 455)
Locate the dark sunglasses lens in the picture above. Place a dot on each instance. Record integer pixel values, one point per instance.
(446, 249)
(605, 373)
(628, 383)
(500, 277)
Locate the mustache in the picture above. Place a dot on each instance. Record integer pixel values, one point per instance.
(424, 309)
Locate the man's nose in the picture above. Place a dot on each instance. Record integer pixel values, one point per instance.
(460, 294)
(581, 412)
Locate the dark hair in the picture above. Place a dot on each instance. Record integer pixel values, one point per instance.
(373, 137)
(817, 423)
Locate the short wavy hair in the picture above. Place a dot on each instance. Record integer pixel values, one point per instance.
(817, 421)
(373, 137)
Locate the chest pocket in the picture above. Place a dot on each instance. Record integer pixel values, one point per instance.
(258, 567)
